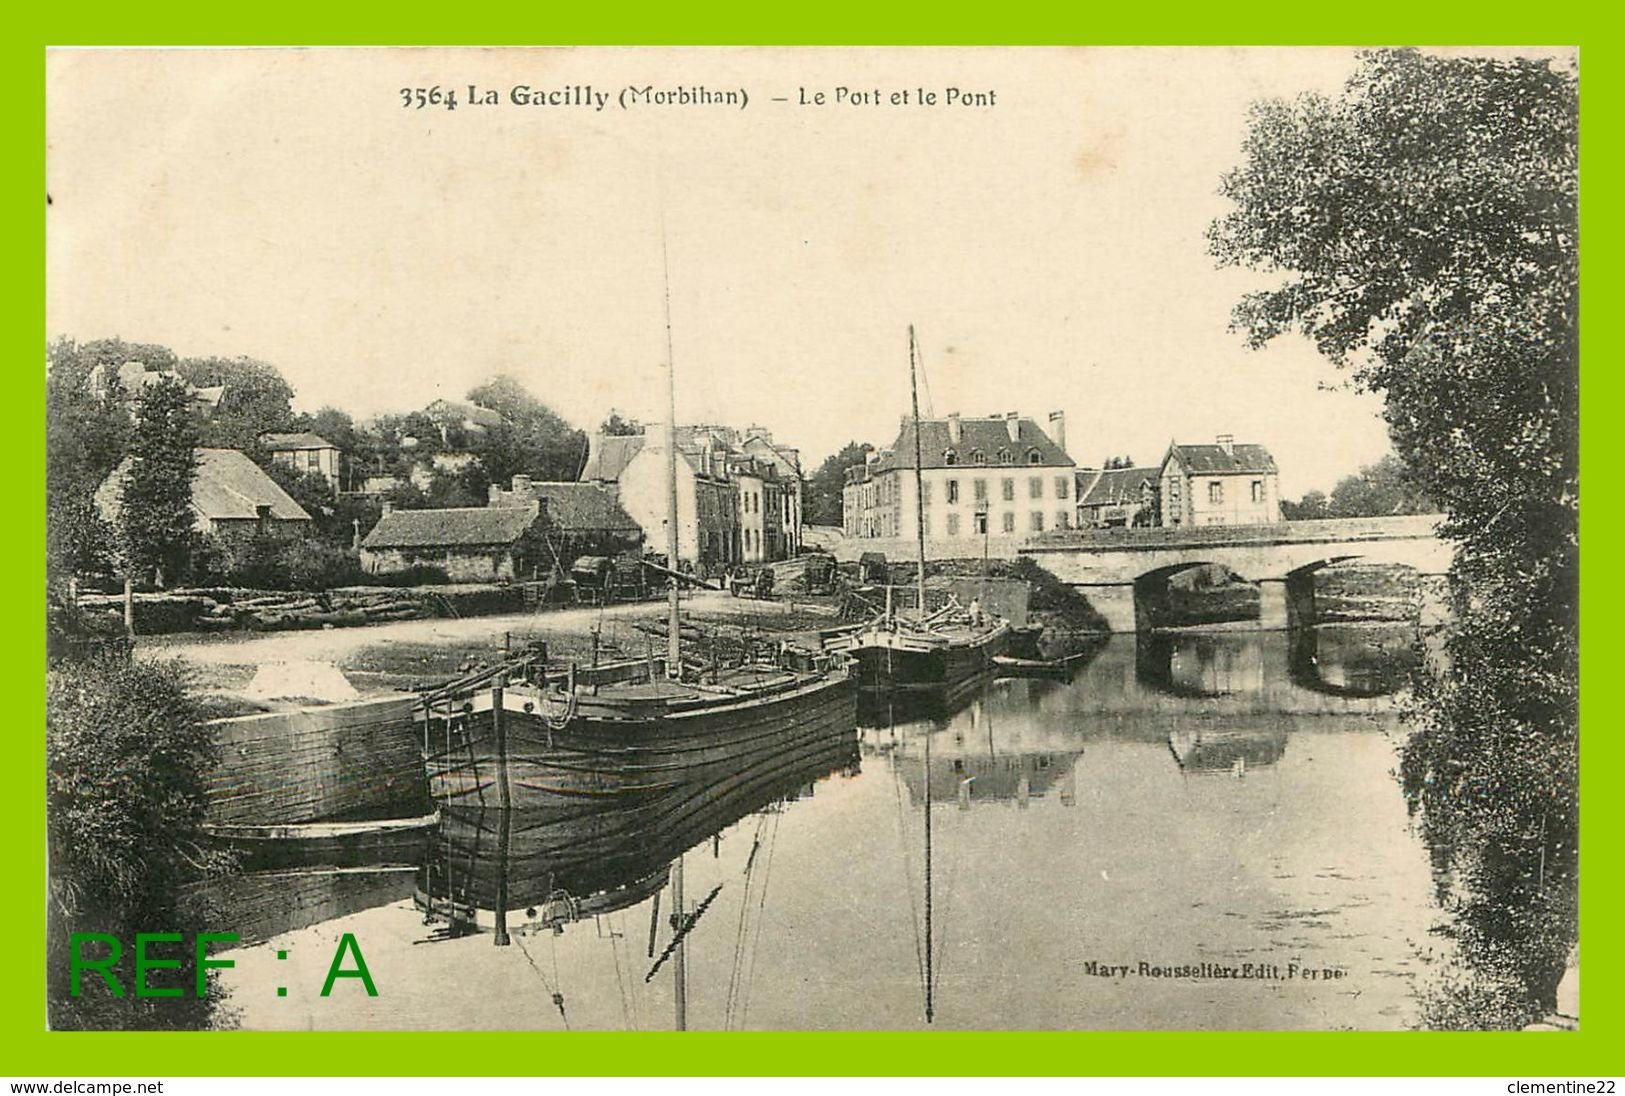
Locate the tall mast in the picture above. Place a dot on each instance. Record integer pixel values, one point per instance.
(930, 974)
(919, 476)
(674, 665)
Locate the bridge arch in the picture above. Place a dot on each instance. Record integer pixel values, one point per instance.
(1157, 602)
(1355, 639)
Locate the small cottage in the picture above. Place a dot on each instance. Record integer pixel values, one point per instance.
(306, 452)
(471, 544)
(1116, 497)
(233, 500)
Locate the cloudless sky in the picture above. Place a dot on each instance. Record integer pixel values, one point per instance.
(1049, 249)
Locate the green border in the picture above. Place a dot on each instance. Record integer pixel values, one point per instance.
(29, 1050)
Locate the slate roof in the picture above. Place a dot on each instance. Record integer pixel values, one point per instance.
(226, 485)
(301, 440)
(987, 434)
(1214, 460)
(1113, 486)
(609, 454)
(464, 527)
(786, 457)
(441, 410)
(584, 507)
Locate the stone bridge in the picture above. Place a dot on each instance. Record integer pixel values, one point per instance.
(1106, 564)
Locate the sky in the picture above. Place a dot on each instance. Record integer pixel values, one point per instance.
(1048, 248)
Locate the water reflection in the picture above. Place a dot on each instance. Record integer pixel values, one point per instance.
(549, 868)
(975, 756)
(1067, 826)
(1201, 664)
(1350, 660)
(1206, 749)
(1359, 660)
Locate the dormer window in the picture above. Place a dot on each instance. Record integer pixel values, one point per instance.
(1005, 456)
(978, 457)
(950, 457)
(1034, 457)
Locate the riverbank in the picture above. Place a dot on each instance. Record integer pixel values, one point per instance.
(390, 657)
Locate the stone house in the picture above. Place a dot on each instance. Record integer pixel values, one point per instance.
(306, 452)
(1116, 497)
(786, 462)
(733, 499)
(470, 544)
(581, 518)
(1218, 484)
(131, 377)
(233, 501)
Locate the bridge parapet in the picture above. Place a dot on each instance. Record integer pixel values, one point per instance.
(1323, 530)
(1273, 552)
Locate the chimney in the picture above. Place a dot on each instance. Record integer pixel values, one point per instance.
(493, 495)
(1057, 429)
(1012, 423)
(954, 432)
(521, 484)
(1227, 442)
(389, 508)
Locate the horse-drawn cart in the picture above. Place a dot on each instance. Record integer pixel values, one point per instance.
(745, 581)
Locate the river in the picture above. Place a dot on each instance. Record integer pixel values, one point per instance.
(1196, 832)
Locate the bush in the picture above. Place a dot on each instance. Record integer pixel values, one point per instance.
(320, 567)
(270, 563)
(126, 755)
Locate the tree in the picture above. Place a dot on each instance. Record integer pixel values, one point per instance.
(539, 444)
(315, 495)
(256, 399)
(155, 505)
(85, 438)
(467, 486)
(821, 501)
(616, 426)
(1312, 507)
(1384, 488)
(1424, 225)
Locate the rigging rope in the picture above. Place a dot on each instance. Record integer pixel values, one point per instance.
(761, 907)
(558, 998)
(908, 872)
(740, 931)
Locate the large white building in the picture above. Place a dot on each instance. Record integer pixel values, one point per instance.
(999, 476)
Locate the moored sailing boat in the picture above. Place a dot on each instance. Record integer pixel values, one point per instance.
(931, 650)
(542, 746)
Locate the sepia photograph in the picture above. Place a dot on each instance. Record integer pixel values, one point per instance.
(812, 539)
